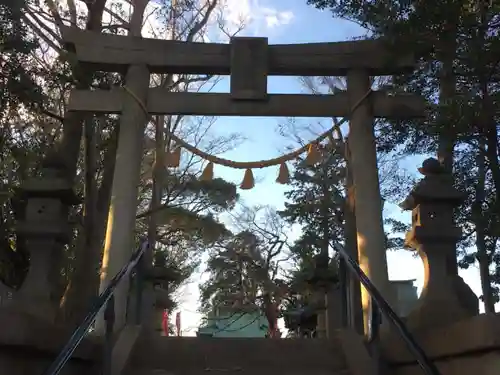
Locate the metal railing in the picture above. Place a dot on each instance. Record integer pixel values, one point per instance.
(105, 300)
(379, 304)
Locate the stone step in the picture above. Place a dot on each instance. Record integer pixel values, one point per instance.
(190, 355)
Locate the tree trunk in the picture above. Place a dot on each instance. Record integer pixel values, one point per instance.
(491, 150)
(69, 148)
(84, 283)
(447, 82)
(147, 309)
(487, 148)
(482, 253)
(72, 127)
(447, 136)
(322, 295)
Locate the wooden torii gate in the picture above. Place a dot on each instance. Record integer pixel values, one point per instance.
(249, 61)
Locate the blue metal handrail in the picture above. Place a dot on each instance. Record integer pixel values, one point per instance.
(106, 298)
(423, 361)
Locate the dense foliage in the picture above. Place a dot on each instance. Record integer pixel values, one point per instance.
(17, 76)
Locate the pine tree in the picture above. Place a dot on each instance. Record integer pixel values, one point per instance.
(316, 202)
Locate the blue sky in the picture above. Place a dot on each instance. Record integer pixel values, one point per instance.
(300, 23)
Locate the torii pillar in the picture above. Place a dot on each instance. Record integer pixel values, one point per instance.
(119, 243)
(371, 240)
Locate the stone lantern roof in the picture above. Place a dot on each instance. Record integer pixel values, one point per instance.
(53, 183)
(435, 187)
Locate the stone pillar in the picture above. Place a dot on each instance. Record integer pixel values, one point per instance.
(321, 317)
(321, 286)
(43, 229)
(334, 319)
(445, 297)
(326, 298)
(119, 244)
(368, 204)
(352, 284)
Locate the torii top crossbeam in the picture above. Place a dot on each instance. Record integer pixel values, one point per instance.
(114, 53)
(249, 61)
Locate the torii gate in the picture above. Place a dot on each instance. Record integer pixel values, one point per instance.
(249, 61)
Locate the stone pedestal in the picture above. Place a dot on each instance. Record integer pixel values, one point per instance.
(470, 346)
(28, 345)
(37, 293)
(445, 297)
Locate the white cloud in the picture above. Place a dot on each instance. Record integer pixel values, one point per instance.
(258, 17)
(242, 17)
(275, 18)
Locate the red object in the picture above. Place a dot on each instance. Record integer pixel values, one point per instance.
(164, 322)
(178, 323)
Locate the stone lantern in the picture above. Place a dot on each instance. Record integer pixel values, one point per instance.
(43, 228)
(157, 278)
(160, 276)
(445, 297)
(325, 283)
(325, 273)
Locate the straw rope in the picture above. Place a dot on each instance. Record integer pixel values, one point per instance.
(251, 164)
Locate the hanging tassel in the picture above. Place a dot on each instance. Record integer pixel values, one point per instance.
(174, 158)
(208, 172)
(313, 155)
(283, 175)
(248, 181)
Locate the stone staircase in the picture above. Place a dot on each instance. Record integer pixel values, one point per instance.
(155, 355)
(28, 346)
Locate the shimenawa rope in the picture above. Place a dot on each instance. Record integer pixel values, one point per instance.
(248, 181)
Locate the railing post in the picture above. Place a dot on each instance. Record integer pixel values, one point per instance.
(424, 362)
(109, 319)
(343, 285)
(139, 289)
